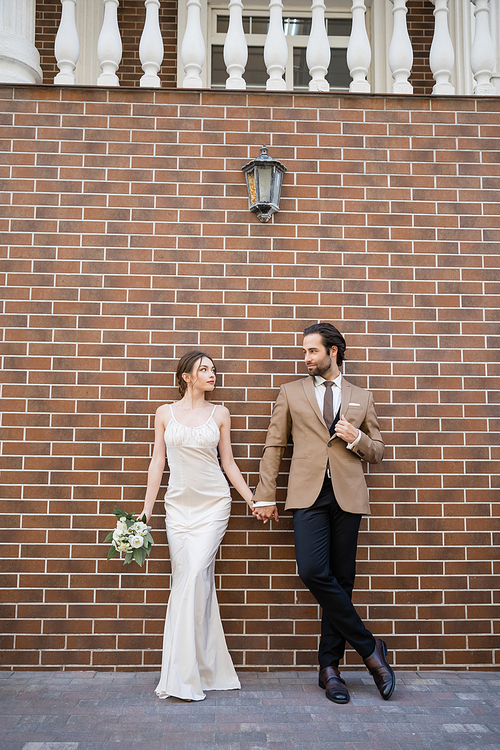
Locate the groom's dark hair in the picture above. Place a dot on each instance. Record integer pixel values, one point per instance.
(330, 336)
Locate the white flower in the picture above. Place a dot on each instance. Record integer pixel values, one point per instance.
(123, 547)
(121, 526)
(140, 528)
(117, 535)
(136, 541)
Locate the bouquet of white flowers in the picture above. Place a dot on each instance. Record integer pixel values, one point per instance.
(130, 536)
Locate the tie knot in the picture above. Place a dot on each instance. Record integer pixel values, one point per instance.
(328, 383)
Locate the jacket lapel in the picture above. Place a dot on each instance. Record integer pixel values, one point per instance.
(345, 397)
(311, 397)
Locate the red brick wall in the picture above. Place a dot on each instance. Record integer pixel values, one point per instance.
(131, 23)
(47, 19)
(420, 20)
(127, 240)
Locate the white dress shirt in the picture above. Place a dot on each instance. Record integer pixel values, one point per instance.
(320, 390)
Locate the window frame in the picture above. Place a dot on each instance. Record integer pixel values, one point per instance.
(215, 38)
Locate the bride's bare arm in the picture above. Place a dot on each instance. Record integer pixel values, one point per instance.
(156, 465)
(226, 456)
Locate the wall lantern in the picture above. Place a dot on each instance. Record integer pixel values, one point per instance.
(264, 176)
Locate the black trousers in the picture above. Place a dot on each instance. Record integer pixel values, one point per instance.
(326, 540)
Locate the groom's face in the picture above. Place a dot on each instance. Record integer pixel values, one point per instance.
(318, 361)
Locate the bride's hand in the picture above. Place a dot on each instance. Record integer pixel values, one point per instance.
(266, 512)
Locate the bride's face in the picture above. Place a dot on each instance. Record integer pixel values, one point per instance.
(202, 377)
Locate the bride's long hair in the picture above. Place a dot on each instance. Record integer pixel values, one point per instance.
(186, 365)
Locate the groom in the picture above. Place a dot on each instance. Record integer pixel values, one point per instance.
(334, 428)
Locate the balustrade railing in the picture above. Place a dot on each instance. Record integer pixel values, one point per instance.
(109, 45)
(151, 45)
(318, 49)
(442, 55)
(400, 50)
(359, 51)
(483, 50)
(275, 48)
(67, 45)
(193, 46)
(235, 47)
(483, 58)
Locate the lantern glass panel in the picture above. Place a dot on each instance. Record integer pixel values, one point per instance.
(276, 187)
(252, 192)
(265, 175)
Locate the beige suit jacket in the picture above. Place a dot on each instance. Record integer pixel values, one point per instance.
(296, 413)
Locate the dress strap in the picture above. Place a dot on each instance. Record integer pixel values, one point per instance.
(213, 411)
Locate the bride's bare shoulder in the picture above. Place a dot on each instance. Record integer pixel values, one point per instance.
(219, 409)
(164, 408)
(164, 413)
(221, 414)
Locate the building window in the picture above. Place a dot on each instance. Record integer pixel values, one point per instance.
(297, 30)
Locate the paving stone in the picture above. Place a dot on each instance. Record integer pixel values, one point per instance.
(273, 711)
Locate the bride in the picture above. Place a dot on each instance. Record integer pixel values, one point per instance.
(198, 505)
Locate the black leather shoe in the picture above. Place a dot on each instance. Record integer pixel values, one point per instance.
(331, 681)
(380, 670)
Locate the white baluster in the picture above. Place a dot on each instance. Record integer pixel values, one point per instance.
(109, 45)
(400, 50)
(275, 48)
(67, 46)
(442, 55)
(193, 46)
(359, 54)
(151, 45)
(235, 47)
(482, 56)
(318, 49)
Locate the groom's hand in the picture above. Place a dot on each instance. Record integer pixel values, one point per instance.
(266, 512)
(345, 430)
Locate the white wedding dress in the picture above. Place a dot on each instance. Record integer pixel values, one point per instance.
(197, 504)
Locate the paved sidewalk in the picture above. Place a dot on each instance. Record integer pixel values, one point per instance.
(272, 711)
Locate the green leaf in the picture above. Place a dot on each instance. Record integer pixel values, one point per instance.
(112, 553)
(143, 519)
(109, 538)
(119, 513)
(139, 555)
(148, 539)
(128, 558)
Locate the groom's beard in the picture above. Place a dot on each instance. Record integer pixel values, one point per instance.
(321, 367)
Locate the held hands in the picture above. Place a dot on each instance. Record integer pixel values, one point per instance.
(345, 430)
(265, 513)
